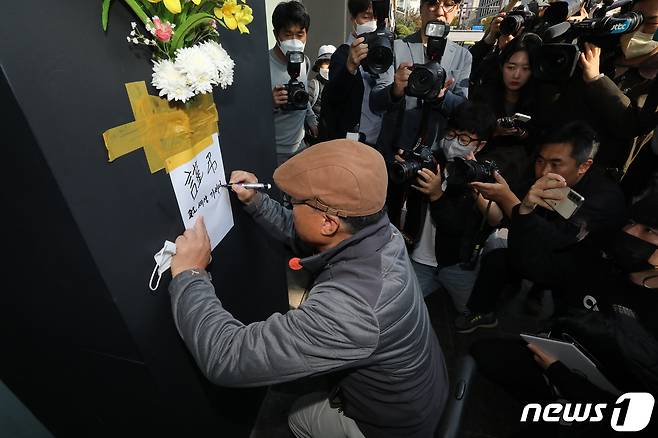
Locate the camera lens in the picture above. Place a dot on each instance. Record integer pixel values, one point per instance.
(299, 97)
(380, 58)
(511, 24)
(463, 172)
(421, 80)
(402, 172)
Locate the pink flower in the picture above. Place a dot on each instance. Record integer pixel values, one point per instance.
(162, 30)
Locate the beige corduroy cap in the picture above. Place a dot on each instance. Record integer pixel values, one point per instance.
(341, 177)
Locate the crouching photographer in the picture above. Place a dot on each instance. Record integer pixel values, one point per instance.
(555, 230)
(444, 222)
(621, 339)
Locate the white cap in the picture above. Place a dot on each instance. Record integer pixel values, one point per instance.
(326, 51)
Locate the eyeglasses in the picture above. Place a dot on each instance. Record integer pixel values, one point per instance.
(447, 5)
(462, 139)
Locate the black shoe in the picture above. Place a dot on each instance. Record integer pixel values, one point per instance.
(468, 323)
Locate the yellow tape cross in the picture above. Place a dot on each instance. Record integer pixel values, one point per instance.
(161, 129)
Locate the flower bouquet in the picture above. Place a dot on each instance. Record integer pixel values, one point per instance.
(187, 57)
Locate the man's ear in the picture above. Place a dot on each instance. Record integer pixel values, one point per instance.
(584, 167)
(330, 225)
(481, 146)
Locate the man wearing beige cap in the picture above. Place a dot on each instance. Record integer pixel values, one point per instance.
(364, 324)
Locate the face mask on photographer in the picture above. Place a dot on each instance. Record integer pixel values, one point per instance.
(632, 253)
(452, 149)
(367, 27)
(324, 73)
(293, 45)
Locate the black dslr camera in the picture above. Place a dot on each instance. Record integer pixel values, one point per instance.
(517, 18)
(297, 95)
(462, 172)
(427, 80)
(380, 42)
(420, 157)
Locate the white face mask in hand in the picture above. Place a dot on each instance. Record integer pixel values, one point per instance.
(452, 149)
(291, 46)
(324, 73)
(367, 27)
(162, 262)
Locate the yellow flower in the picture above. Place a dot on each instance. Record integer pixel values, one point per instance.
(196, 2)
(172, 5)
(244, 17)
(227, 13)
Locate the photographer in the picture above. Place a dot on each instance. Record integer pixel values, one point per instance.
(291, 23)
(452, 221)
(317, 84)
(347, 97)
(512, 91)
(403, 114)
(622, 337)
(544, 247)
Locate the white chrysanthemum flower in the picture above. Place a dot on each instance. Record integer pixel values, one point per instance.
(222, 61)
(198, 67)
(170, 81)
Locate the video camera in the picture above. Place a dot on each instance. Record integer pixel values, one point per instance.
(380, 42)
(558, 57)
(297, 94)
(427, 80)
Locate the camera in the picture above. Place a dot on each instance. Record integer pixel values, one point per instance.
(297, 94)
(513, 121)
(518, 18)
(462, 172)
(427, 80)
(380, 42)
(419, 158)
(558, 57)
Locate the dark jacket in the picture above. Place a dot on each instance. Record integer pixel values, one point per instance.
(364, 323)
(341, 97)
(564, 254)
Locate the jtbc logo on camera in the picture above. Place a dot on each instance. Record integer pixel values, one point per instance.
(630, 413)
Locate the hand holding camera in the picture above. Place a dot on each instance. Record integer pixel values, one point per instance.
(279, 96)
(589, 61)
(358, 52)
(401, 79)
(429, 183)
(493, 191)
(494, 29)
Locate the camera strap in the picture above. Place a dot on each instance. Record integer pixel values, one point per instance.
(479, 241)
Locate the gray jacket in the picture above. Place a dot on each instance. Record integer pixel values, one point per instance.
(456, 61)
(364, 322)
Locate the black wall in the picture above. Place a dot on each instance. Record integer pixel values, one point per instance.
(85, 344)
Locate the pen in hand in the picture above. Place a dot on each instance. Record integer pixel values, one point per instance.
(252, 186)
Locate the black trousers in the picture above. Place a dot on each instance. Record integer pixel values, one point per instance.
(496, 271)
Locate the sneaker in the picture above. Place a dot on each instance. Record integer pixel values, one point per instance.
(470, 322)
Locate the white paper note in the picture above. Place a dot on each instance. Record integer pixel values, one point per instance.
(198, 192)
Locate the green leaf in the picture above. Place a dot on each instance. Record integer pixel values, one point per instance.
(137, 9)
(148, 7)
(105, 13)
(184, 28)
